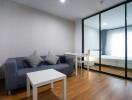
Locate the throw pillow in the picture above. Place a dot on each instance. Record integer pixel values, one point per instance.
(62, 59)
(34, 59)
(51, 58)
(26, 64)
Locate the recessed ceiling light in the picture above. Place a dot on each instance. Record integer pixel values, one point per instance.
(104, 24)
(62, 1)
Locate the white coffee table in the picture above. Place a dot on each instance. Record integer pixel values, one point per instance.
(43, 77)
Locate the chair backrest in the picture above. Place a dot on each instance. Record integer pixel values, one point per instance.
(85, 56)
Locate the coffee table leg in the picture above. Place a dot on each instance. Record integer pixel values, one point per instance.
(28, 87)
(35, 93)
(64, 89)
(52, 85)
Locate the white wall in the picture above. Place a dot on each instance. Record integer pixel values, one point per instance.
(78, 36)
(24, 29)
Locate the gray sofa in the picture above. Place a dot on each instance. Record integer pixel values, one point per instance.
(16, 69)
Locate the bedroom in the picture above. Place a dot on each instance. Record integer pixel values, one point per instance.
(108, 36)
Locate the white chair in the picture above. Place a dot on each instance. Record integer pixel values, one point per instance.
(84, 59)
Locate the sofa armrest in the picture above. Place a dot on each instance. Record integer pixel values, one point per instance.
(70, 60)
(10, 71)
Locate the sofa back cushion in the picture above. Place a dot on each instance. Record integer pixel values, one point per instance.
(62, 59)
(22, 62)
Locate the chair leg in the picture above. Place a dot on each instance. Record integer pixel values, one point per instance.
(81, 68)
(9, 93)
(87, 67)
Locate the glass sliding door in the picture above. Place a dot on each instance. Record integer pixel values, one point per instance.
(129, 39)
(113, 41)
(91, 40)
(109, 39)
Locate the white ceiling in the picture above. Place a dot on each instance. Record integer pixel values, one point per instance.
(72, 9)
(114, 18)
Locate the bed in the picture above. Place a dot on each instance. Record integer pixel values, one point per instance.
(111, 60)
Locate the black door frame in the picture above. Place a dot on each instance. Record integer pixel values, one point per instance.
(99, 13)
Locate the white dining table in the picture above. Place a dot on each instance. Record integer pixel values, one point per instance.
(76, 55)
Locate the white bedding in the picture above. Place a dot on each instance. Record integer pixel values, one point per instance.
(113, 61)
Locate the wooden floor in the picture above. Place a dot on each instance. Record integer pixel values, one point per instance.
(86, 86)
(113, 70)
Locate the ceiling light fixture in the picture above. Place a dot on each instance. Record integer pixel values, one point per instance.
(62, 1)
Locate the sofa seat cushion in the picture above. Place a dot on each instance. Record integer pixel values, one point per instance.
(59, 66)
(21, 74)
(27, 70)
(64, 68)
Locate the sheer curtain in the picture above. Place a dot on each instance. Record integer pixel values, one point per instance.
(115, 43)
(117, 46)
(129, 44)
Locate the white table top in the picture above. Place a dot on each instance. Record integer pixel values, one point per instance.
(44, 76)
(76, 54)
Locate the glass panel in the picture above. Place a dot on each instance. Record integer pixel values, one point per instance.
(113, 41)
(129, 39)
(91, 40)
